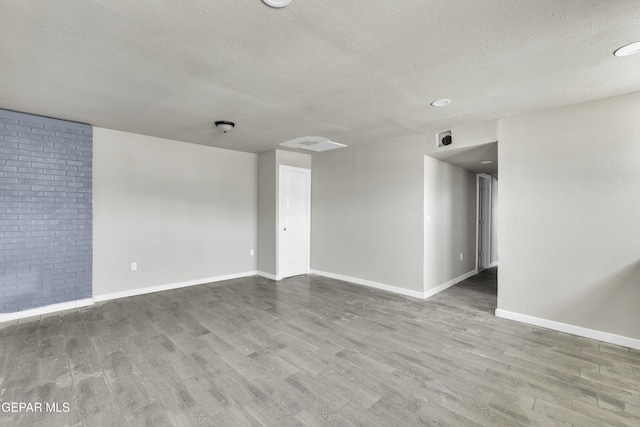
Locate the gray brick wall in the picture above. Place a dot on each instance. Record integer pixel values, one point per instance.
(45, 211)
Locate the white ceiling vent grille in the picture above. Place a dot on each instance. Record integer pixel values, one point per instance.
(313, 143)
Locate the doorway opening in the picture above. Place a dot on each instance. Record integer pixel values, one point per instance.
(483, 221)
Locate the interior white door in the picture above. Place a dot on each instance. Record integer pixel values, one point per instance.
(484, 222)
(294, 221)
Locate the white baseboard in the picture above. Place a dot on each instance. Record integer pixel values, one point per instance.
(6, 317)
(268, 275)
(431, 292)
(53, 308)
(369, 283)
(170, 286)
(570, 329)
(493, 264)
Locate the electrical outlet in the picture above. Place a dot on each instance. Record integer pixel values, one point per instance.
(252, 252)
(134, 266)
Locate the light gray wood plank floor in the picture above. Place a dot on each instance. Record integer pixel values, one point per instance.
(311, 351)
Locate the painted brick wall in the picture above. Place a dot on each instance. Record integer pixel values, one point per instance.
(45, 211)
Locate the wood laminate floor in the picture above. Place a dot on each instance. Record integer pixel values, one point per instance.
(311, 351)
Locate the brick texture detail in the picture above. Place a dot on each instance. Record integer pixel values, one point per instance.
(45, 211)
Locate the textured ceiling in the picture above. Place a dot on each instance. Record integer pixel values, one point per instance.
(354, 71)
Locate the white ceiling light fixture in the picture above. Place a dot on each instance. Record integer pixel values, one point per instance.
(441, 103)
(628, 49)
(224, 125)
(277, 3)
(486, 162)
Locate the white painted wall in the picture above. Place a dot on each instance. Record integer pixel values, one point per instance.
(183, 212)
(293, 158)
(465, 136)
(267, 212)
(568, 233)
(367, 213)
(450, 222)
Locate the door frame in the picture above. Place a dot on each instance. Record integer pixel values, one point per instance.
(279, 229)
(486, 230)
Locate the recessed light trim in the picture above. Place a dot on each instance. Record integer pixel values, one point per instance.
(628, 49)
(277, 3)
(441, 103)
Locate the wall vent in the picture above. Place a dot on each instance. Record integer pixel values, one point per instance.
(313, 143)
(443, 139)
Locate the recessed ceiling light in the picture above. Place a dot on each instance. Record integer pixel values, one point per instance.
(486, 162)
(441, 102)
(627, 50)
(277, 3)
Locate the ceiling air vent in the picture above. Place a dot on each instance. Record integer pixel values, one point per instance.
(313, 143)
